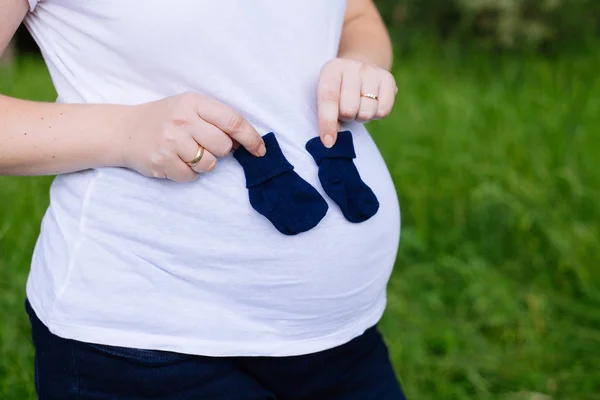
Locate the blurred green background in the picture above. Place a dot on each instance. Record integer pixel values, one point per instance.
(495, 152)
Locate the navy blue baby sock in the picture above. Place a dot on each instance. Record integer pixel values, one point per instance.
(340, 178)
(277, 191)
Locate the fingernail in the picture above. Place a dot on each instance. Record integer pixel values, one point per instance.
(328, 141)
(262, 150)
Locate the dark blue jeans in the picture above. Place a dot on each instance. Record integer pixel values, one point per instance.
(68, 369)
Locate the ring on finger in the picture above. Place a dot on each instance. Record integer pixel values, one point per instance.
(197, 158)
(370, 96)
(367, 109)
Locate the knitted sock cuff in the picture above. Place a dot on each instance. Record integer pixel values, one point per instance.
(260, 169)
(343, 148)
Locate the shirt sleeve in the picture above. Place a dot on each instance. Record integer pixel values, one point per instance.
(33, 4)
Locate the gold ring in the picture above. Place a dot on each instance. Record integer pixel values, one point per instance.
(370, 96)
(199, 155)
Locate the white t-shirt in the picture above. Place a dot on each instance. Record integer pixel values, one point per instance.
(132, 261)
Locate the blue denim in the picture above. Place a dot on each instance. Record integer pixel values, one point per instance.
(68, 369)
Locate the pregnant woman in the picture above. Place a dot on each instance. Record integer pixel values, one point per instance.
(181, 256)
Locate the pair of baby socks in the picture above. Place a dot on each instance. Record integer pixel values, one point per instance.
(291, 204)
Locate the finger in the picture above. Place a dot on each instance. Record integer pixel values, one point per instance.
(232, 123)
(180, 172)
(387, 97)
(212, 138)
(207, 163)
(189, 149)
(329, 105)
(350, 95)
(368, 106)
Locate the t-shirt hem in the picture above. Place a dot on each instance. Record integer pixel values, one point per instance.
(210, 348)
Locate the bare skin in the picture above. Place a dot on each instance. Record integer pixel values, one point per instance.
(157, 139)
(362, 67)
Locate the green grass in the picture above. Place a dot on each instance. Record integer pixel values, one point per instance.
(496, 292)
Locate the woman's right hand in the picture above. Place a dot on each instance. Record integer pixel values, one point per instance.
(166, 134)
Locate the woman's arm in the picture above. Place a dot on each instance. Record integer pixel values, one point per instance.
(364, 36)
(13, 12)
(38, 138)
(153, 138)
(47, 139)
(360, 70)
(43, 138)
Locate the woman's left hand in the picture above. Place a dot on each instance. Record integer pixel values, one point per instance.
(350, 90)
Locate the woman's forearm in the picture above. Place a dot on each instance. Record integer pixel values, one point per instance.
(48, 138)
(364, 36)
(157, 139)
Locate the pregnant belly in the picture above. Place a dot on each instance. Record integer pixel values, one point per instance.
(203, 237)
